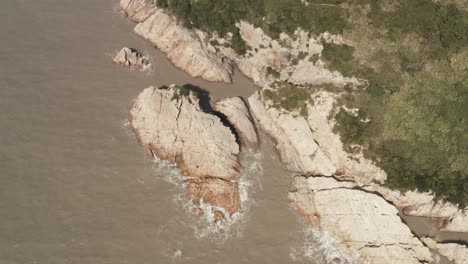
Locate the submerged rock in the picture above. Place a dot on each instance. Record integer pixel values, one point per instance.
(367, 226)
(172, 125)
(131, 58)
(238, 114)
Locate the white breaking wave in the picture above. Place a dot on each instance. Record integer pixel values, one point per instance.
(204, 226)
(321, 247)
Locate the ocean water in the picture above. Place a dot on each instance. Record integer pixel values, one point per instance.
(75, 186)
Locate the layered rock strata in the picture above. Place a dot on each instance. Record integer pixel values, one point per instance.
(367, 226)
(171, 124)
(184, 48)
(131, 58)
(457, 253)
(295, 59)
(238, 114)
(307, 145)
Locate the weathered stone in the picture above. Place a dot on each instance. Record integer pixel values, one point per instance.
(457, 253)
(131, 58)
(137, 10)
(172, 126)
(307, 144)
(238, 114)
(363, 222)
(184, 48)
(216, 192)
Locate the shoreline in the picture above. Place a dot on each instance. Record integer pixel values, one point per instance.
(376, 188)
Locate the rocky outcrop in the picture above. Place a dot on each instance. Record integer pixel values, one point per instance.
(457, 253)
(238, 114)
(307, 144)
(220, 194)
(444, 215)
(295, 59)
(184, 47)
(367, 226)
(137, 10)
(171, 124)
(454, 252)
(131, 58)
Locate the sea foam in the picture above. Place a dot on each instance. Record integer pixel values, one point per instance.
(206, 226)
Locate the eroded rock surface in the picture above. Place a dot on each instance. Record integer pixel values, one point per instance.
(184, 47)
(307, 144)
(172, 126)
(364, 222)
(238, 114)
(455, 252)
(221, 194)
(131, 58)
(137, 10)
(444, 215)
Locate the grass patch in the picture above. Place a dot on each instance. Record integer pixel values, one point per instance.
(289, 97)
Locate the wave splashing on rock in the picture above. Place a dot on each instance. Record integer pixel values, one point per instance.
(202, 217)
(320, 247)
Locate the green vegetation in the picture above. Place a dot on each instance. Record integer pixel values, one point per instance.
(273, 72)
(289, 97)
(412, 117)
(416, 98)
(272, 15)
(180, 91)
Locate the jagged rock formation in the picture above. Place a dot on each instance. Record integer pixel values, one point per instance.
(172, 126)
(292, 58)
(137, 10)
(444, 215)
(131, 58)
(238, 114)
(295, 59)
(307, 145)
(183, 47)
(457, 253)
(367, 225)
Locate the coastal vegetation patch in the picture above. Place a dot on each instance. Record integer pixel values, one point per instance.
(413, 56)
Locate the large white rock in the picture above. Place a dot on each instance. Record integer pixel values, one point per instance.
(184, 48)
(364, 222)
(283, 55)
(137, 10)
(172, 125)
(238, 114)
(131, 58)
(457, 253)
(444, 215)
(454, 252)
(307, 145)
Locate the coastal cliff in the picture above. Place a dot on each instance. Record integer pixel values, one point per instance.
(333, 189)
(172, 125)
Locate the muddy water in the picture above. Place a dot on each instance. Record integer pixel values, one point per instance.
(75, 187)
